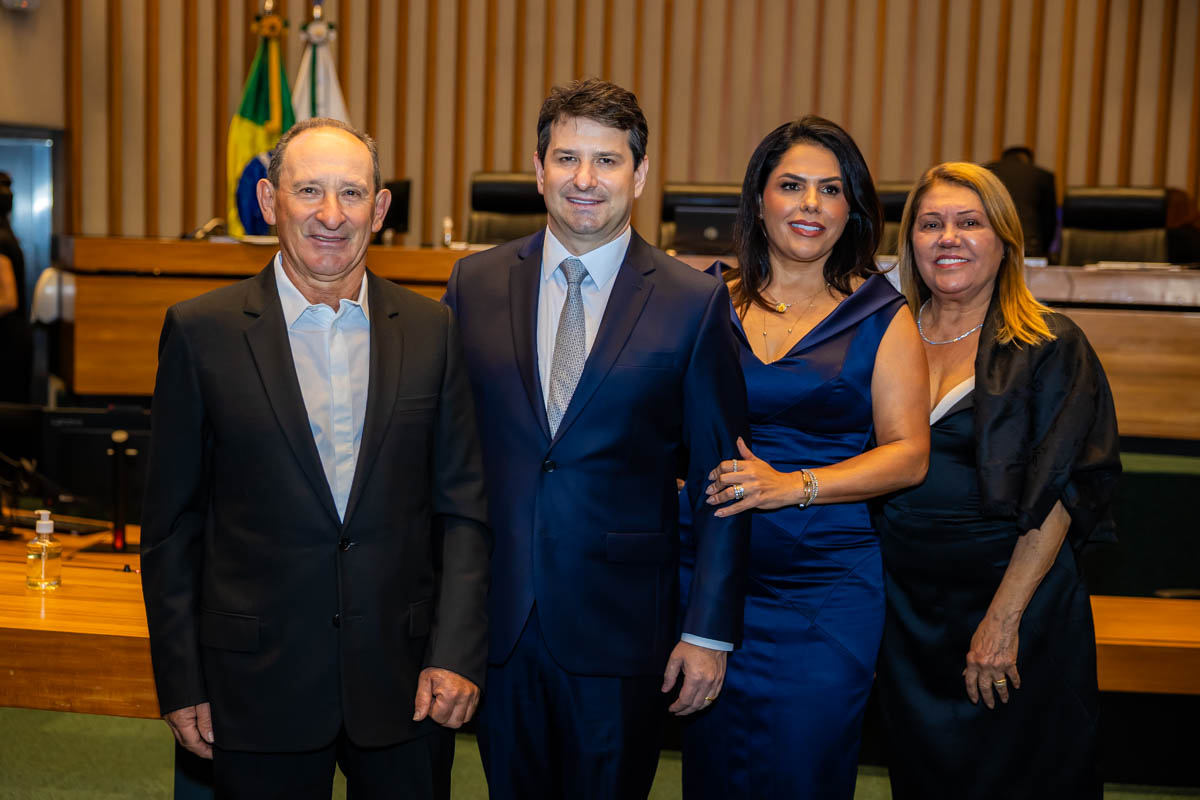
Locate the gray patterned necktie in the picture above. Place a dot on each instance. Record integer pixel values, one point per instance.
(570, 345)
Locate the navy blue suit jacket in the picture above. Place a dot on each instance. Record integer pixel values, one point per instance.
(585, 522)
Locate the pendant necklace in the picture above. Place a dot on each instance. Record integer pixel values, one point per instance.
(783, 307)
(927, 340)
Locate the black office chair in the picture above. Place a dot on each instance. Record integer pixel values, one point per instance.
(892, 196)
(504, 206)
(699, 217)
(1113, 223)
(396, 219)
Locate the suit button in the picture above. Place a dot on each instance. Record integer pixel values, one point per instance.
(344, 544)
(549, 466)
(337, 620)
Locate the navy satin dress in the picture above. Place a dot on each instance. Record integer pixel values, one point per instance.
(789, 719)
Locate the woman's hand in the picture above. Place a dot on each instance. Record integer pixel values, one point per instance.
(992, 660)
(762, 486)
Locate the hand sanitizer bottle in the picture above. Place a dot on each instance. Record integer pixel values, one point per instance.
(43, 556)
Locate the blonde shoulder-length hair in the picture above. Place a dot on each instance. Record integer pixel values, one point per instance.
(1022, 317)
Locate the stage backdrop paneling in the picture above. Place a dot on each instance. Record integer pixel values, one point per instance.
(1104, 92)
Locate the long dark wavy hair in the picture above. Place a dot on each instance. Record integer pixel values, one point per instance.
(854, 253)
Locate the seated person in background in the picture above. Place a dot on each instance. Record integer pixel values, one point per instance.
(1032, 191)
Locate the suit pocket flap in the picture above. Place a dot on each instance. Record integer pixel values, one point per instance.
(424, 402)
(420, 618)
(225, 631)
(637, 548)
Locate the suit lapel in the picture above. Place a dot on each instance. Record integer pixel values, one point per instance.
(387, 351)
(629, 294)
(523, 282)
(268, 340)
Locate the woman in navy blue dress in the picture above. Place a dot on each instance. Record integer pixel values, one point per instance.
(837, 389)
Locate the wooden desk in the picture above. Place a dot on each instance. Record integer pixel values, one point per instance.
(84, 647)
(124, 286)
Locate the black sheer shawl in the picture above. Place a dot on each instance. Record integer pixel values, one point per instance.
(1046, 430)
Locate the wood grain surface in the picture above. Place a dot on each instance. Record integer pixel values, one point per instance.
(123, 288)
(84, 647)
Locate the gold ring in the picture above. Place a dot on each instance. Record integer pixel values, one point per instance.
(709, 699)
(1001, 682)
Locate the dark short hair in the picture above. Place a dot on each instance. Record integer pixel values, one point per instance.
(275, 168)
(852, 255)
(597, 100)
(1017, 150)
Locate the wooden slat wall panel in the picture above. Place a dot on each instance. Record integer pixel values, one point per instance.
(116, 117)
(1096, 114)
(1166, 75)
(150, 135)
(1104, 92)
(1193, 136)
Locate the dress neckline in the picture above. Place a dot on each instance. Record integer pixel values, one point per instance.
(874, 293)
(951, 398)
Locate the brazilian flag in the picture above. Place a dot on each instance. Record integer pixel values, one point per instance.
(264, 115)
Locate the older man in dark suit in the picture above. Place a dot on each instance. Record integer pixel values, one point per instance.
(315, 550)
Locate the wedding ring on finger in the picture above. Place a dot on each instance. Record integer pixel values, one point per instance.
(1001, 683)
(735, 465)
(739, 491)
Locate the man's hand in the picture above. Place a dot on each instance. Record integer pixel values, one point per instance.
(192, 726)
(446, 696)
(703, 676)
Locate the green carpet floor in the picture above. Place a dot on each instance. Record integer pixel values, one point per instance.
(50, 755)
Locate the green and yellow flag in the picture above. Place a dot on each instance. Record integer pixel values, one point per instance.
(265, 113)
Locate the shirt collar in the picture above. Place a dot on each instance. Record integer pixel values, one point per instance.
(602, 263)
(294, 303)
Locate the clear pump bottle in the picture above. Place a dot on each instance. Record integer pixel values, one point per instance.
(43, 556)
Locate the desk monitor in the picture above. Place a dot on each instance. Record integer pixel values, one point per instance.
(704, 230)
(74, 456)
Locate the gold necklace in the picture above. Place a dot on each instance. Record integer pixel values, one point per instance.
(796, 322)
(782, 307)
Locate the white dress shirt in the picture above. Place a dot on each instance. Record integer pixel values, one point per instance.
(602, 265)
(332, 354)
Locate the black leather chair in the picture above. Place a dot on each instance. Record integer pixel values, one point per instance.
(706, 211)
(504, 206)
(1113, 223)
(892, 196)
(396, 220)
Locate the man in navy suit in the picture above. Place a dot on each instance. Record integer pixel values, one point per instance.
(599, 366)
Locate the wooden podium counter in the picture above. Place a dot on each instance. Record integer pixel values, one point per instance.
(84, 646)
(124, 286)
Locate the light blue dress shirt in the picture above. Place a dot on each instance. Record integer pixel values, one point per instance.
(332, 354)
(602, 265)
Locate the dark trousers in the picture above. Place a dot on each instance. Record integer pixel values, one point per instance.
(413, 770)
(548, 733)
